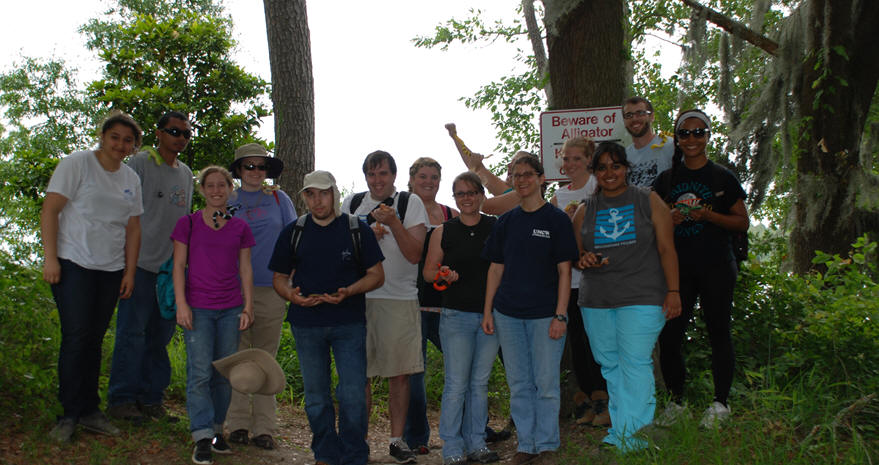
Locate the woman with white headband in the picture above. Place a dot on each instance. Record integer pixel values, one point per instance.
(707, 204)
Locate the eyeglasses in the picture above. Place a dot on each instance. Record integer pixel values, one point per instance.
(639, 113)
(174, 132)
(465, 194)
(698, 133)
(525, 175)
(251, 167)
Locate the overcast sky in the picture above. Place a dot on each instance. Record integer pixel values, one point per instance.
(373, 88)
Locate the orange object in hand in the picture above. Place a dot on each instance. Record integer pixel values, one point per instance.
(439, 283)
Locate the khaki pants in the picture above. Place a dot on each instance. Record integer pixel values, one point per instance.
(269, 310)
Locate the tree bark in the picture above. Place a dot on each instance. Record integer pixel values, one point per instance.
(292, 91)
(587, 68)
(587, 52)
(540, 57)
(839, 79)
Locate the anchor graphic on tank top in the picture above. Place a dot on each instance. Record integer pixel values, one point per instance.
(614, 226)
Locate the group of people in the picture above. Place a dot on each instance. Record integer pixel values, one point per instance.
(615, 262)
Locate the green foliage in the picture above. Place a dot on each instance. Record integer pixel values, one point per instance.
(165, 55)
(46, 116)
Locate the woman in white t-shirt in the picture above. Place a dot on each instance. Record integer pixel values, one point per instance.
(90, 226)
(590, 403)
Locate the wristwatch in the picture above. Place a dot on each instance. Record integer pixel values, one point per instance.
(562, 318)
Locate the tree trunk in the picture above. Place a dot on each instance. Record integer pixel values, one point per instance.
(838, 84)
(587, 68)
(292, 92)
(587, 52)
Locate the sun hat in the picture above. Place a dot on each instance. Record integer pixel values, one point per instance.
(252, 371)
(274, 165)
(322, 180)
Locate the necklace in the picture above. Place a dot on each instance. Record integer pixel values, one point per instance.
(220, 214)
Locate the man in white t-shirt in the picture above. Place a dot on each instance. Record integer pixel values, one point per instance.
(650, 153)
(393, 320)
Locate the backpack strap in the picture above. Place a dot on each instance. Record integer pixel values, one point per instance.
(354, 229)
(356, 200)
(402, 204)
(297, 235)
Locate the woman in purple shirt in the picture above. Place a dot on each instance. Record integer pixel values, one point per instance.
(214, 302)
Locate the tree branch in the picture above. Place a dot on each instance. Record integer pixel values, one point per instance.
(536, 44)
(737, 29)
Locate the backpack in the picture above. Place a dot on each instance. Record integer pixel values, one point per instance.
(165, 285)
(357, 199)
(353, 229)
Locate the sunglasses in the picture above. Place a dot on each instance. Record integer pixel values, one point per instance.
(174, 132)
(639, 113)
(251, 167)
(698, 133)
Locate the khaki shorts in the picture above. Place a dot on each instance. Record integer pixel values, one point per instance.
(393, 338)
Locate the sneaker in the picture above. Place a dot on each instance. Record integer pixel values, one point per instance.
(455, 460)
(521, 458)
(220, 446)
(421, 450)
(239, 436)
(483, 455)
(714, 415)
(202, 452)
(401, 453)
(63, 430)
(127, 412)
(672, 413)
(98, 423)
(263, 441)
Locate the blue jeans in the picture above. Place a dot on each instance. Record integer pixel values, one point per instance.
(622, 341)
(417, 432)
(214, 335)
(468, 359)
(348, 346)
(141, 369)
(85, 300)
(531, 361)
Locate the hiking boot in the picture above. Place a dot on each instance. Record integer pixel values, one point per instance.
(158, 412)
(672, 413)
(127, 412)
(455, 460)
(483, 455)
(547, 457)
(401, 452)
(98, 423)
(599, 408)
(583, 413)
(220, 446)
(63, 430)
(202, 453)
(263, 441)
(239, 436)
(714, 415)
(521, 458)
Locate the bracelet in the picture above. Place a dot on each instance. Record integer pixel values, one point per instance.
(673, 290)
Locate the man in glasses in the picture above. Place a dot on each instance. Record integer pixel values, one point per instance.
(141, 370)
(650, 153)
(393, 319)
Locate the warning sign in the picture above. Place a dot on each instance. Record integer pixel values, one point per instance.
(598, 124)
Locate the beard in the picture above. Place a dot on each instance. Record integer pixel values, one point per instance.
(644, 130)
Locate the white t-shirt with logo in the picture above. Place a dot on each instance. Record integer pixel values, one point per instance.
(400, 275)
(649, 161)
(91, 230)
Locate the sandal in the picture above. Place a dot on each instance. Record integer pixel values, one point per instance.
(264, 441)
